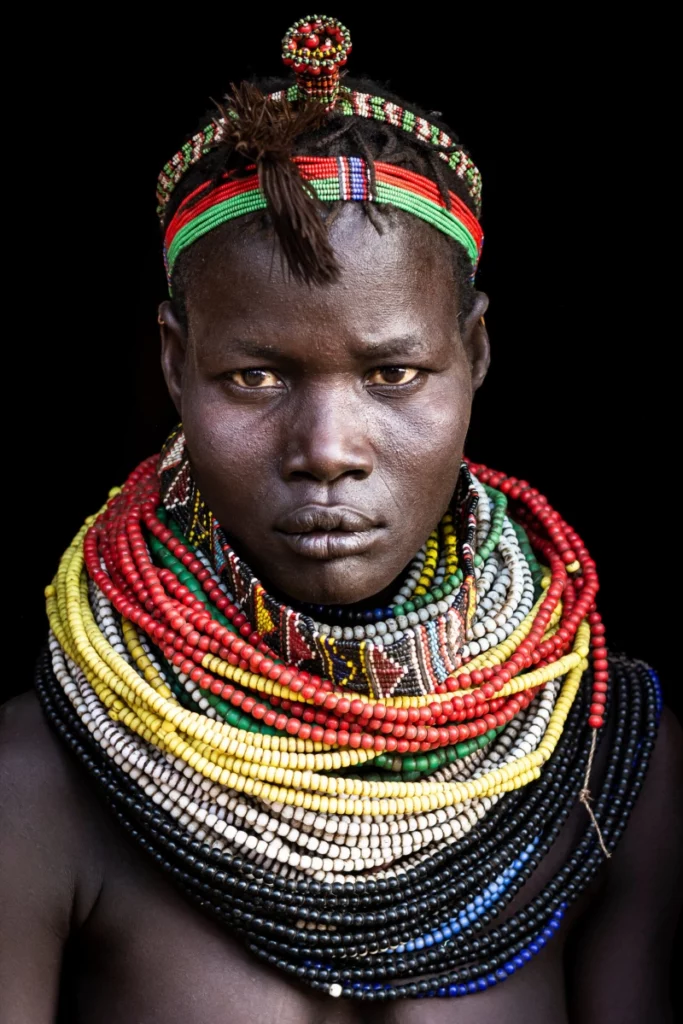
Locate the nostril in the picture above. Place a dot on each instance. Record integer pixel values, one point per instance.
(303, 474)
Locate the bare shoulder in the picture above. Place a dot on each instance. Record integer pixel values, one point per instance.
(35, 770)
(24, 731)
(622, 946)
(46, 807)
(650, 852)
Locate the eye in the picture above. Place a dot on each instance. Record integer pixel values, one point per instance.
(392, 375)
(255, 379)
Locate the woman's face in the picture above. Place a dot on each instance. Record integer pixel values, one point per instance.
(326, 425)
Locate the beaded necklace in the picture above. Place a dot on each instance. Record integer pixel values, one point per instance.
(364, 844)
(357, 793)
(407, 648)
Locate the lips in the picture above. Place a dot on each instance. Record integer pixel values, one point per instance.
(322, 532)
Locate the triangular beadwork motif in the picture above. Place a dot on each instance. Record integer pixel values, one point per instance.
(413, 664)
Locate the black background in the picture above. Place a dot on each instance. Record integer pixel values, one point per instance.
(563, 116)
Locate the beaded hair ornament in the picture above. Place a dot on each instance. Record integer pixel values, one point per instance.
(316, 48)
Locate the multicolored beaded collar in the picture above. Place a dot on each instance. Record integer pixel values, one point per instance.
(406, 651)
(317, 48)
(362, 842)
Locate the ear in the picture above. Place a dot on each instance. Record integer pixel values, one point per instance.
(476, 340)
(173, 353)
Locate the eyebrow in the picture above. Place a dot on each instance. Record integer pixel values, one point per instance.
(408, 345)
(389, 348)
(258, 350)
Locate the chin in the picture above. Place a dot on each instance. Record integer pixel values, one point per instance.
(339, 581)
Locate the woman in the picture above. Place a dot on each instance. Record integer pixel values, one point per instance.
(348, 692)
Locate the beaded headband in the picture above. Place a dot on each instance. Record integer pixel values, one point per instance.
(316, 48)
(349, 103)
(332, 179)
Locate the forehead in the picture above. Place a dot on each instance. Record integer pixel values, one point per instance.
(399, 281)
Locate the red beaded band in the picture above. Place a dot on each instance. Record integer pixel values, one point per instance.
(316, 168)
(333, 179)
(179, 624)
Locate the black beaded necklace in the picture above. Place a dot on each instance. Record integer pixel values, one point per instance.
(346, 952)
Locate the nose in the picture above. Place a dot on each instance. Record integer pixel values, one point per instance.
(328, 438)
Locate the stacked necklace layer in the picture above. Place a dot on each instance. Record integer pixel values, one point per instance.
(361, 830)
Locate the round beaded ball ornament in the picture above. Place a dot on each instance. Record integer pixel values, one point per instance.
(316, 48)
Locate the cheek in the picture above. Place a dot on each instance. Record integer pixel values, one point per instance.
(233, 448)
(416, 444)
(429, 448)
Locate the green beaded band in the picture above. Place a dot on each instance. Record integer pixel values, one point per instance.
(443, 220)
(413, 767)
(453, 581)
(230, 714)
(238, 206)
(331, 180)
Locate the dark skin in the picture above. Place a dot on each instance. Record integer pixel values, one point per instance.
(329, 413)
(355, 396)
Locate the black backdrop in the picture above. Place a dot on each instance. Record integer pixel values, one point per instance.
(560, 117)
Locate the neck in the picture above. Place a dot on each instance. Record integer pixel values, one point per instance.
(406, 639)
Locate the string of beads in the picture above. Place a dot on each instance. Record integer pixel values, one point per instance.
(382, 837)
(350, 103)
(333, 179)
(459, 890)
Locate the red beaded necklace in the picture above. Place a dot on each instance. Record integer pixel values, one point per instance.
(188, 636)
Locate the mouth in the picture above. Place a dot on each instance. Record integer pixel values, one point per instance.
(324, 533)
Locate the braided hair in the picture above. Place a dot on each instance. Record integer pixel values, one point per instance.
(298, 220)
